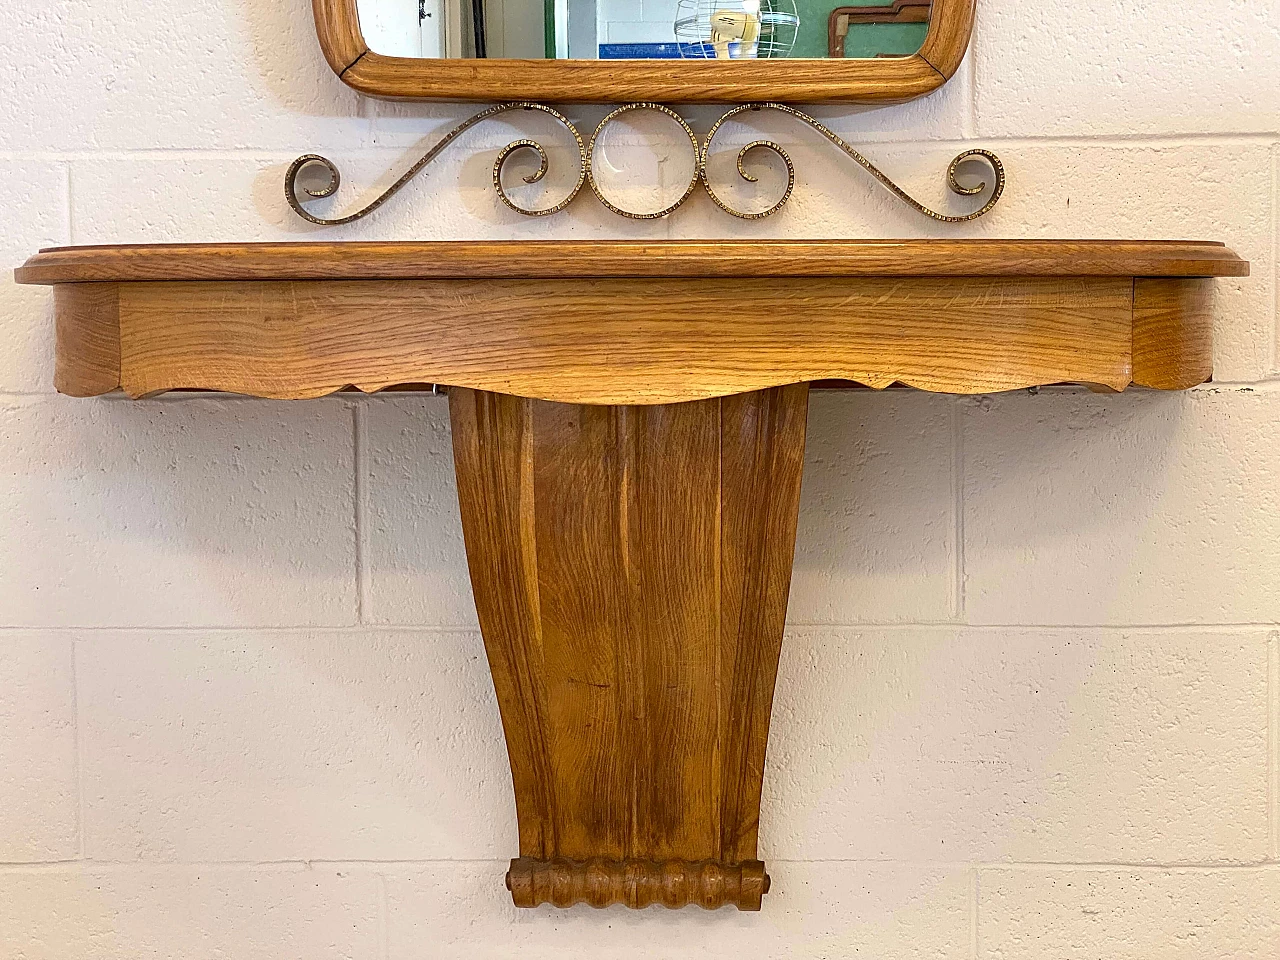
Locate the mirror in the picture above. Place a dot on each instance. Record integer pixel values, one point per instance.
(690, 30)
(672, 51)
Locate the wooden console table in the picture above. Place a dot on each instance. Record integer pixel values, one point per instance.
(630, 541)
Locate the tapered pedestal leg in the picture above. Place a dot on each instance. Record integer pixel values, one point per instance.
(631, 566)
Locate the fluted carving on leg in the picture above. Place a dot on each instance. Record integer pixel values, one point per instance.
(637, 883)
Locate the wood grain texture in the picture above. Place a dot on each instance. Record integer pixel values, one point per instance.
(338, 29)
(944, 48)
(674, 81)
(761, 462)
(87, 323)
(621, 341)
(631, 567)
(559, 259)
(1172, 333)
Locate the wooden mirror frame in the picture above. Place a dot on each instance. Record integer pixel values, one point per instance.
(880, 81)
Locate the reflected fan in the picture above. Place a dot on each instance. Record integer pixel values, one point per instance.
(736, 29)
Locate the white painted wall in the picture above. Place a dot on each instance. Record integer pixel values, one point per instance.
(1029, 704)
(636, 21)
(392, 27)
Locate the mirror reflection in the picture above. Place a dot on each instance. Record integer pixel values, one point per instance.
(643, 29)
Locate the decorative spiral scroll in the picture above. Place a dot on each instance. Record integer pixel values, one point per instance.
(701, 152)
(591, 154)
(295, 169)
(997, 168)
(742, 171)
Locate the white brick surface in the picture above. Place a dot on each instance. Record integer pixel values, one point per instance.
(240, 197)
(33, 210)
(1275, 248)
(415, 564)
(1273, 736)
(189, 913)
(876, 533)
(1161, 66)
(194, 198)
(157, 74)
(292, 746)
(1136, 508)
(38, 790)
(814, 911)
(1007, 745)
(1074, 914)
(175, 512)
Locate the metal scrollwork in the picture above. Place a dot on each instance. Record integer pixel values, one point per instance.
(997, 168)
(295, 169)
(591, 151)
(701, 152)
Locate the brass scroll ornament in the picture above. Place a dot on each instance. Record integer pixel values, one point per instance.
(587, 151)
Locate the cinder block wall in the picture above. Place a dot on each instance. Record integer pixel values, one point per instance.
(1029, 703)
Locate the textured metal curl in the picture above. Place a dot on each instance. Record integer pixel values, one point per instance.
(295, 168)
(769, 145)
(997, 168)
(693, 143)
(701, 152)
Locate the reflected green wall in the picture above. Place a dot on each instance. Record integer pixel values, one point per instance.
(864, 40)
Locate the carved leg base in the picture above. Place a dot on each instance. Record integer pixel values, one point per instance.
(637, 883)
(631, 567)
